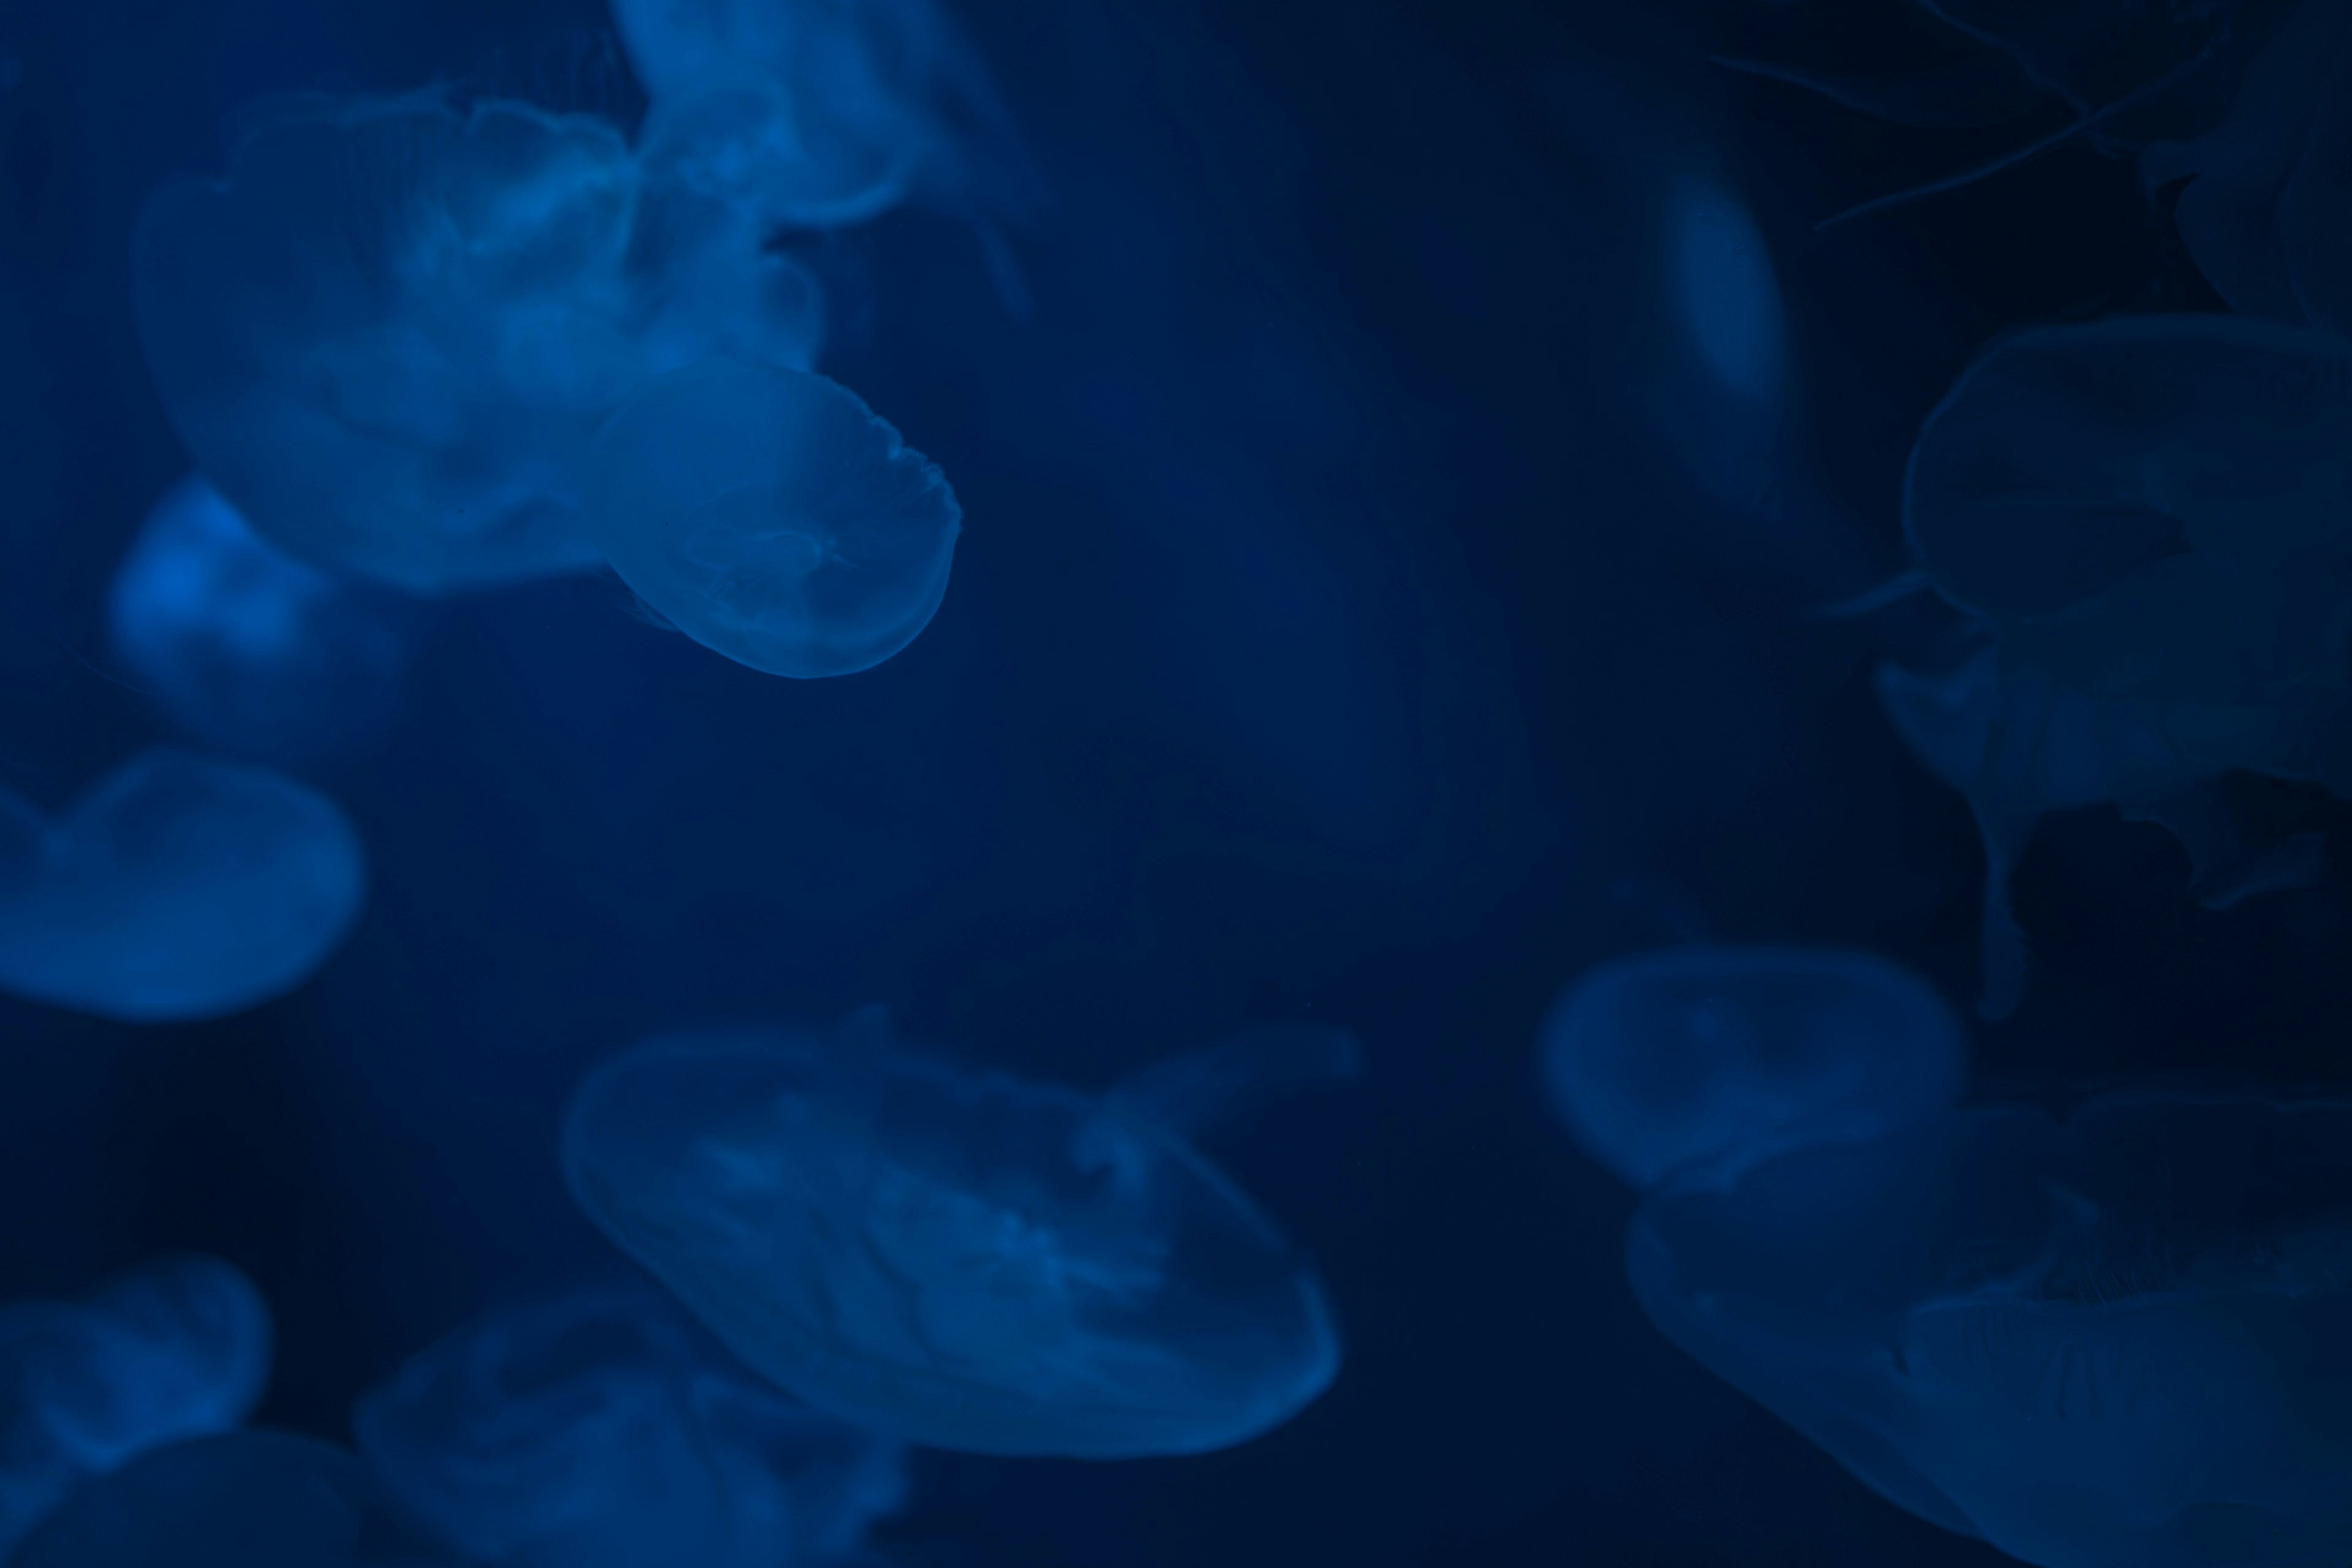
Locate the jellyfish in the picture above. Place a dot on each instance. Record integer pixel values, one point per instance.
(390, 334)
(2138, 515)
(1695, 1063)
(826, 113)
(255, 1498)
(770, 516)
(1723, 287)
(599, 1431)
(176, 1349)
(178, 887)
(2108, 1339)
(246, 648)
(960, 1258)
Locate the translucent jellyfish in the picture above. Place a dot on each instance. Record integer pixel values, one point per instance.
(390, 335)
(770, 516)
(600, 1431)
(177, 1349)
(177, 888)
(822, 113)
(245, 1500)
(246, 648)
(1698, 1062)
(962, 1259)
(1723, 284)
(2111, 1341)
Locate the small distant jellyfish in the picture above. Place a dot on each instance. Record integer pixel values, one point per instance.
(772, 517)
(962, 1259)
(249, 650)
(390, 334)
(600, 1431)
(243, 1499)
(1695, 1063)
(176, 1349)
(1723, 285)
(2113, 1340)
(178, 887)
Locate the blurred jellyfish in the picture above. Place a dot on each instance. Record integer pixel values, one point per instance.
(2141, 513)
(962, 1259)
(389, 336)
(1697, 1063)
(1724, 286)
(177, 888)
(598, 1432)
(822, 113)
(770, 516)
(2111, 1341)
(249, 650)
(176, 1349)
(245, 1500)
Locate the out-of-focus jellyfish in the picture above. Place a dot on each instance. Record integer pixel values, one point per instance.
(390, 334)
(598, 1432)
(2111, 1341)
(769, 515)
(1723, 284)
(246, 1499)
(2265, 211)
(2141, 512)
(177, 888)
(248, 650)
(1696, 1063)
(960, 1258)
(178, 1349)
(822, 113)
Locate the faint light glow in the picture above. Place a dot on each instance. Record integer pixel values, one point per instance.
(1723, 287)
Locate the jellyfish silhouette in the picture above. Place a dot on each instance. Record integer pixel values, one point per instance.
(176, 1349)
(2140, 514)
(770, 516)
(2111, 1341)
(177, 888)
(960, 1258)
(243, 1499)
(823, 114)
(389, 336)
(599, 1431)
(247, 649)
(1695, 1063)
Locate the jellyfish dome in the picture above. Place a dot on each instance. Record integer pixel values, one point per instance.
(389, 335)
(1695, 1063)
(246, 648)
(770, 516)
(177, 1349)
(177, 888)
(2110, 1340)
(243, 1499)
(959, 1258)
(602, 1431)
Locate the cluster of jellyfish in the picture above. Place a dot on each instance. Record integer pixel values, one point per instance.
(428, 343)
(2106, 1332)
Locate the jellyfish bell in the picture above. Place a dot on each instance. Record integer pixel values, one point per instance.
(960, 1259)
(1694, 1063)
(177, 888)
(770, 516)
(2109, 1341)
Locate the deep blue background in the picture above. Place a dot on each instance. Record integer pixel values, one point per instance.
(1362, 616)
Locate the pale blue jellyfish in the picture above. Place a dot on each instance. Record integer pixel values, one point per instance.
(2142, 514)
(245, 1500)
(1695, 1063)
(960, 1258)
(769, 515)
(246, 648)
(823, 114)
(176, 1349)
(177, 888)
(390, 334)
(599, 1431)
(2115, 1340)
